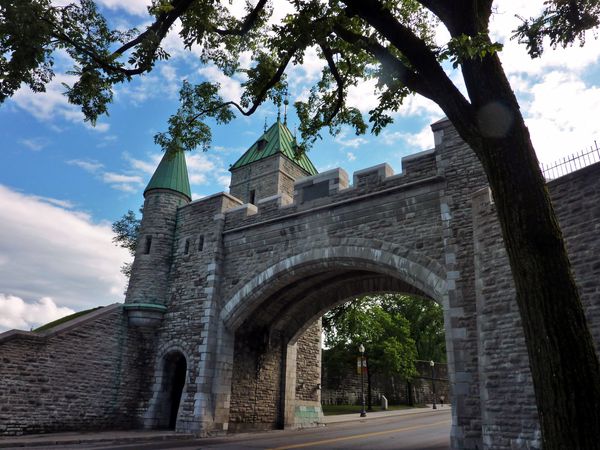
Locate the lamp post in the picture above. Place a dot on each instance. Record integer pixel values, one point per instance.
(361, 349)
(432, 364)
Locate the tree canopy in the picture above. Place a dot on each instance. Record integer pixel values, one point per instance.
(390, 41)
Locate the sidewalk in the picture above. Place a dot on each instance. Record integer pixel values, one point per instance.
(377, 414)
(123, 437)
(90, 437)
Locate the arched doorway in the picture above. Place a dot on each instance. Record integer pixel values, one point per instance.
(271, 385)
(174, 374)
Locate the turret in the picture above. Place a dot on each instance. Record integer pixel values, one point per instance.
(168, 189)
(270, 166)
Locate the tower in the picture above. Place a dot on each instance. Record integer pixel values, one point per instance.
(168, 189)
(270, 166)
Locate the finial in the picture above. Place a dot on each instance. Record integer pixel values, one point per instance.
(285, 104)
(278, 113)
(265, 127)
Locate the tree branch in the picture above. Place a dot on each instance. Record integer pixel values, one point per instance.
(261, 96)
(424, 61)
(338, 79)
(247, 24)
(407, 76)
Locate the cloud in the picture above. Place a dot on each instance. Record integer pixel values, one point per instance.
(351, 156)
(16, 313)
(87, 165)
(421, 140)
(134, 7)
(352, 142)
(35, 144)
(52, 104)
(230, 90)
(51, 251)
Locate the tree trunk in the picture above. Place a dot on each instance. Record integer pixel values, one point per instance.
(409, 393)
(564, 364)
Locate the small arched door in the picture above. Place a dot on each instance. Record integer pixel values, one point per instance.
(175, 369)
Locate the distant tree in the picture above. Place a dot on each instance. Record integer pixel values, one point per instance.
(126, 231)
(390, 349)
(426, 320)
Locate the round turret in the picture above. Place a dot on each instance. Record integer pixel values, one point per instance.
(167, 191)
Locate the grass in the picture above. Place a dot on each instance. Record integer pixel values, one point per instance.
(334, 410)
(64, 319)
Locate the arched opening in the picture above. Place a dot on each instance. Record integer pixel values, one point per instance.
(274, 381)
(174, 374)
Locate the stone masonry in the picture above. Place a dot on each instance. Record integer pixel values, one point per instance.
(229, 294)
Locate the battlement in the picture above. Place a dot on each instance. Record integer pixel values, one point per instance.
(330, 188)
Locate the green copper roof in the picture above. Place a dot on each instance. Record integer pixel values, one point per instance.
(172, 174)
(277, 139)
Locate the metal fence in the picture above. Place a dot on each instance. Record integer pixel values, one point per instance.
(571, 163)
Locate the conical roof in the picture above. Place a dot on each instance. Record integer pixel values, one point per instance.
(172, 174)
(277, 139)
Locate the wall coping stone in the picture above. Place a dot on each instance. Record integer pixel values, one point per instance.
(61, 328)
(331, 205)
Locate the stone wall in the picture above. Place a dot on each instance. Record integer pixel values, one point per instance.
(509, 415)
(86, 374)
(345, 390)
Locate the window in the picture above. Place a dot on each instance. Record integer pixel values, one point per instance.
(252, 196)
(147, 245)
(201, 243)
(186, 250)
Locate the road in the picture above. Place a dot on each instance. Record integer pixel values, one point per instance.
(428, 431)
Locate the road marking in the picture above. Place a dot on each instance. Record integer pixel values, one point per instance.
(360, 436)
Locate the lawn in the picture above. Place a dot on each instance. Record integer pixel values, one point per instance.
(334, 410)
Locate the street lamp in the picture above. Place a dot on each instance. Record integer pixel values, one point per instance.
(432, 364)
(361, 349)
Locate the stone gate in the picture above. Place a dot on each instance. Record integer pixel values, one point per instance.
(220, 330)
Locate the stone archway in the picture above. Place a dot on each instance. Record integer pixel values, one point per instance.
(266, 324)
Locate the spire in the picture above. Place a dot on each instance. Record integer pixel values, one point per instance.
(277, 139)
(285, 105)
(171, 174)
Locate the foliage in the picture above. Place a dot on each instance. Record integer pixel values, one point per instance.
(395, 329)
(126, 231)
(426, 320)
(55, 323)
(386, 335)
(562, 21)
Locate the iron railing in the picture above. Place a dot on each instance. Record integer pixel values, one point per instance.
(571, 163)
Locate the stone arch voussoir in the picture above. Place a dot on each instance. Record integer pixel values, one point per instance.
(411, 267)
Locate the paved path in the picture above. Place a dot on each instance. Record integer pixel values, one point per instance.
(380, 428)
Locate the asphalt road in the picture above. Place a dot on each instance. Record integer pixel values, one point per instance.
(429, 431)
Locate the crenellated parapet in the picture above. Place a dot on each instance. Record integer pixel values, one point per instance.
(330, 188)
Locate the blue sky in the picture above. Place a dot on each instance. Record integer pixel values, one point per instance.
(62, 182)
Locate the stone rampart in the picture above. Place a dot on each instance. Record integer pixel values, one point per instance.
(85, 374)
(509, 415)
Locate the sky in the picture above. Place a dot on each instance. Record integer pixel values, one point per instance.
(63, 182)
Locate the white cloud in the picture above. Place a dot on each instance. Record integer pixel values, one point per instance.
(421, 140)
(135, 7)
(352, 142)
(351, 156)
(230, 89)
(47, 106)
(147, 167)
(111, 177)
(58, 253)
(87, 165)
(35, 144)
(17, 313)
